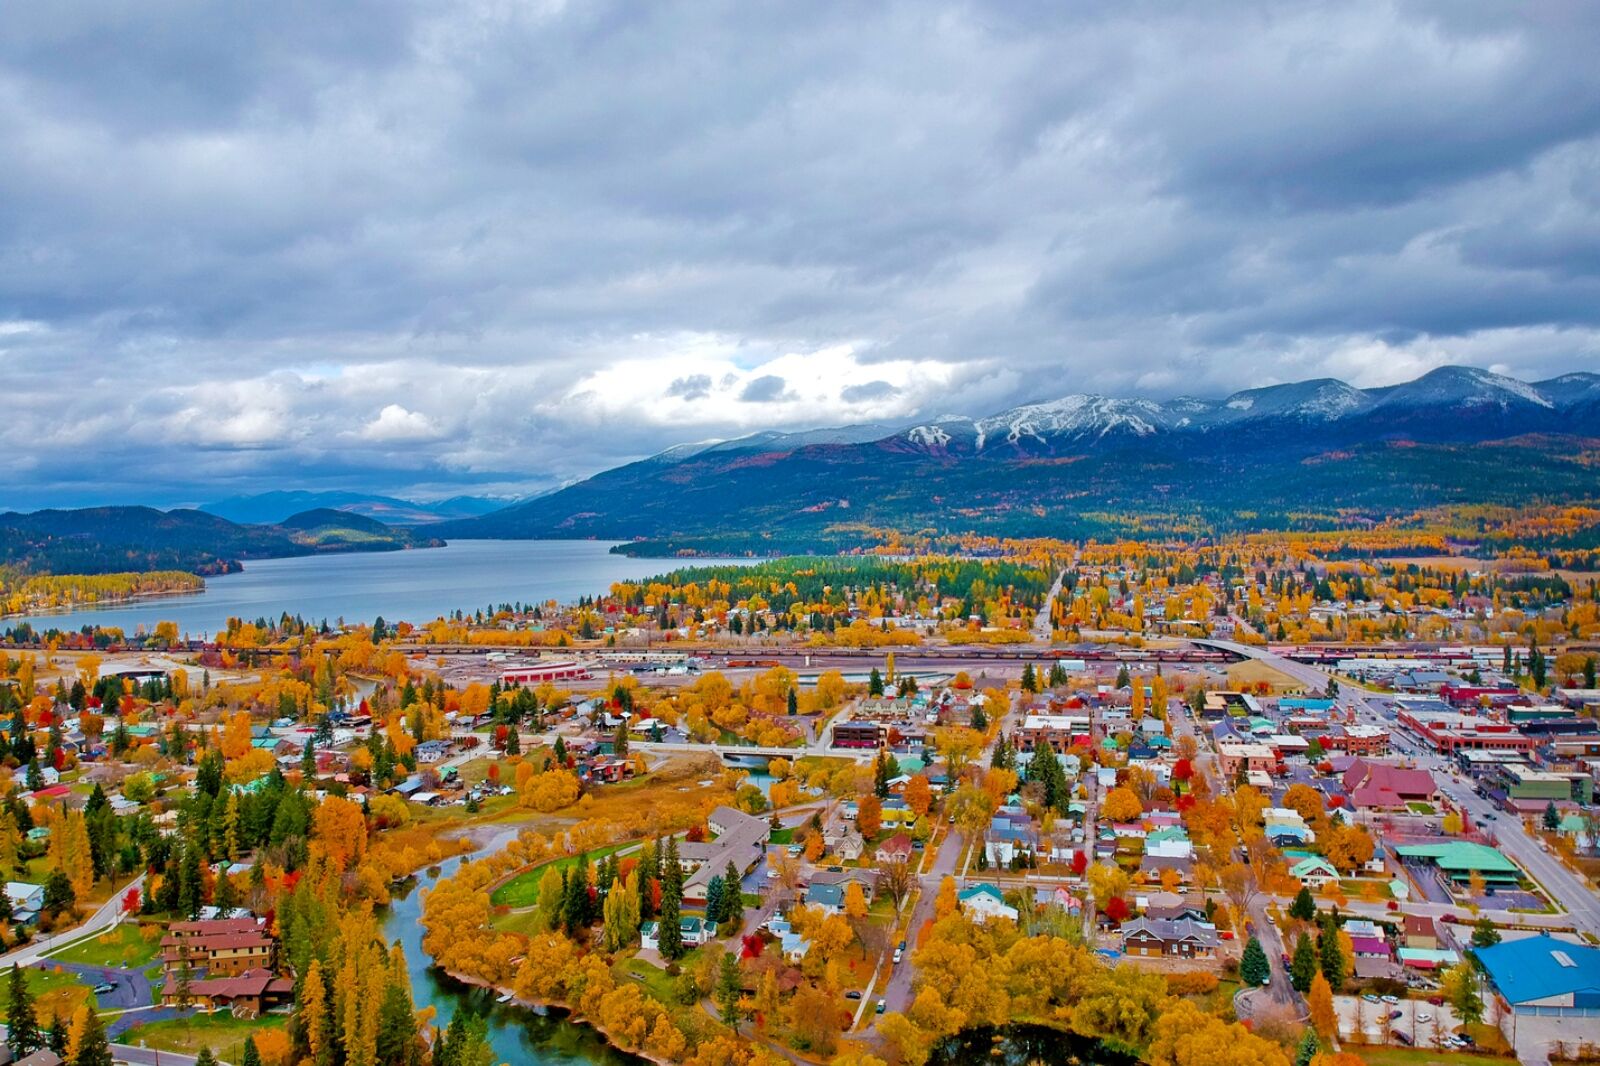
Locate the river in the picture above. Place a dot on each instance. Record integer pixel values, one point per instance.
(412, 586)
(518, 1035)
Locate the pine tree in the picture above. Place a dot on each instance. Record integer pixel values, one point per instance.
(1308, 1049)
(714, 894)
(646, 874)
(670, 936)
(1484, 934)
(1304, 908)
(1552, 818)
(1331, 956)
(880, 776)
(22, 1027)
(205, 1058)
(1303, 966)
(94, 1049)
(1253, 966)
(875, 683)
(1030, 681)
(793, 702)
(251, 1057)
(729, 987)
(733, 897)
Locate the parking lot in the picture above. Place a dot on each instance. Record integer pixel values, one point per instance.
(1418, 1023)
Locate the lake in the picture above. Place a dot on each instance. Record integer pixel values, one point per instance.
(410, 586)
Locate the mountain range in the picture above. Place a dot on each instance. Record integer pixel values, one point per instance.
(266, 508)
(1302, 453)
(98, 540)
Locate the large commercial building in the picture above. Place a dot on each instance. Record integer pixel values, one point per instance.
(1545, 976)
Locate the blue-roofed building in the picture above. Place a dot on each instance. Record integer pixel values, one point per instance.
(1546, 976)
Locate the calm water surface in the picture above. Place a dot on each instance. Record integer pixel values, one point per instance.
(411, 586)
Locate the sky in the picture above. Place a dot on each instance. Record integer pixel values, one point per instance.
(437, 248)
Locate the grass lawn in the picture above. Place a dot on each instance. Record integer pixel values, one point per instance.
(523, 889)
(656, 981)
(1418, 807)
(54, 992)
(782, 836)
(124, 946)
(221, 1032)
(1406, 1056)
(524, 922)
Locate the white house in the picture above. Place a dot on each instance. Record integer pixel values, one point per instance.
(694, 931)
(26, 899)
(985, 903)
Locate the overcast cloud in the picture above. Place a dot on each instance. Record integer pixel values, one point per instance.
(489, 247)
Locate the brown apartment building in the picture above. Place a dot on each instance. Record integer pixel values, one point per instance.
(222, 948)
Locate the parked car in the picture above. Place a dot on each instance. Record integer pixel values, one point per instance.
(853, 994)
(1370, 998)
(897, 951)
(1391, 999)
(880, 1008)
(1399, 1037)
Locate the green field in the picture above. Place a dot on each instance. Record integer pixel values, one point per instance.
(54, 992)
(523, 889)
(221, 1032)
(124, 946)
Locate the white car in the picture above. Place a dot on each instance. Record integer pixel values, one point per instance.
(897, 954)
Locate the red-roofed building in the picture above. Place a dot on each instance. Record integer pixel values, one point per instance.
(1380, 786)
(248, 994)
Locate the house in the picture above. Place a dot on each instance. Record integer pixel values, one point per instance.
(27, 899)
(843, 841)
(1153, 866)
(246, 995)
(985, 902)
(1285, 826)
(1171, 906)
(829, 897)
(1183, 937)
(694, 931)
(867, 879)
(1545, 976)
(1314, 872)
(1008, 836)
(1380, 786)
(1171, 842)
(896, 849)
(225, 947)
(1420, 932)
(42, 1057)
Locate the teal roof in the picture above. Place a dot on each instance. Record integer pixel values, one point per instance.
(1312, 866)
(983, 889)
(1463, 855)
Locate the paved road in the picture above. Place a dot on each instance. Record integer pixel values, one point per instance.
(107, 915)
(1042, 630)
(1569, 890)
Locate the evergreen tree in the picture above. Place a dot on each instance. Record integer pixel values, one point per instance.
(729, 988)
(1331, 956)
(95, 1050)
(1303, 965)
(733, 896)
(1030, 681)
(793, 702)
(1253, 966)
(1304, 908)
(397, 1027)
(1308, 1049)
(875, 683)
(880, 776)
(252, 1057)
(1552, 817)
(670, 937)
(205, 1058)
(22, 1027)
(1124, 679)
(1004, 758)
(646, 875)
(1484, 934)
(56, 1039)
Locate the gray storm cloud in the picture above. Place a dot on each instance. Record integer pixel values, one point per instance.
(428, 247)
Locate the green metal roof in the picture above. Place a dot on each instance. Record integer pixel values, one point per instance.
(1461, 855)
